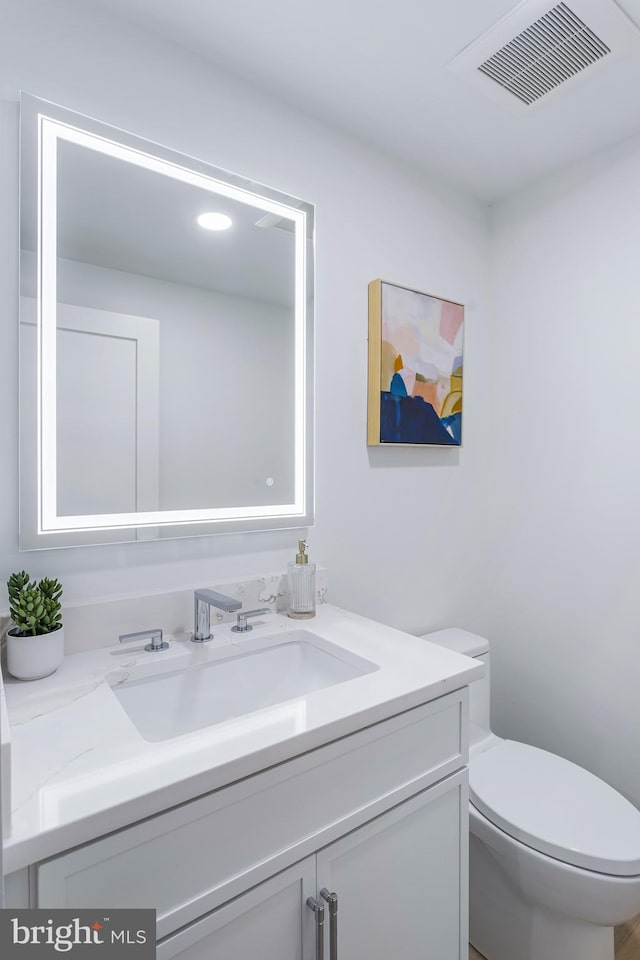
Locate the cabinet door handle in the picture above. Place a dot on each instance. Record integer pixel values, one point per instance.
(332, 900)
(318, 910)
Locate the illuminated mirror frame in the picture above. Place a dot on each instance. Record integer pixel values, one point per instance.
(47, 124)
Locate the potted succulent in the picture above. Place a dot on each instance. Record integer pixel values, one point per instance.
(35, 644)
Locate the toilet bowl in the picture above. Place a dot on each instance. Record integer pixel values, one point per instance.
(554, 852)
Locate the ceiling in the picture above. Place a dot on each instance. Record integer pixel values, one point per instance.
(378, 69)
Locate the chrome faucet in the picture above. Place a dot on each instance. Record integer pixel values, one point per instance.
(241, 625)
(154, 636)
(203, 600)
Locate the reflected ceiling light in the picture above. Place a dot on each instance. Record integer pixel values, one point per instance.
(214, 221)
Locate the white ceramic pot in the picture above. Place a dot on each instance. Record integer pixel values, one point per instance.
(31, 658)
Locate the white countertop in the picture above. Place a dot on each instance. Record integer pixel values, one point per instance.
(80, 768)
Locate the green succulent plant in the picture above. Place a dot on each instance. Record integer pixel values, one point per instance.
(35, 607)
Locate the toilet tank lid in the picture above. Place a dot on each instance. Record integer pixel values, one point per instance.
(461, 641)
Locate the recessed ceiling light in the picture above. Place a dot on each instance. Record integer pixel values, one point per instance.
(214, 221)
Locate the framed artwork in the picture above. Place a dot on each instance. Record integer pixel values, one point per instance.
(415, 368)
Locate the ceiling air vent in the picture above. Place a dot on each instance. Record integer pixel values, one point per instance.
(554, 48)
(535, 49)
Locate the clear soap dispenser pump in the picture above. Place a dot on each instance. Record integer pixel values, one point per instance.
(302, 585)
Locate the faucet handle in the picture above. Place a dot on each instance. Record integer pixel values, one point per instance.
(154, 636)
(242, 626)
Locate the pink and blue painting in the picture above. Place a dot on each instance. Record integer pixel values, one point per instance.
(415, 367)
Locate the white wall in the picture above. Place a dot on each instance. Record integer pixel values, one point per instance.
(565, 524)
(402, 532)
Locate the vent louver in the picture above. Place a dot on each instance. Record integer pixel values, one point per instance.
(542, 47)
(554, 48)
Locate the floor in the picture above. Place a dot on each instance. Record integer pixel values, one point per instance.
(627, 940)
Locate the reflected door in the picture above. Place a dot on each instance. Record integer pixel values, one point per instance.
(107, 411)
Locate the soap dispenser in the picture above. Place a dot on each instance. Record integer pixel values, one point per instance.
(302, 585)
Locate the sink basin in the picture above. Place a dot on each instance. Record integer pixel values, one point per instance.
(251, 675)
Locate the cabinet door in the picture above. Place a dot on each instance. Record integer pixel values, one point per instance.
(269, 922)
(401, 880)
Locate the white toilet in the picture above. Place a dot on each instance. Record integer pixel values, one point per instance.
(554, 852)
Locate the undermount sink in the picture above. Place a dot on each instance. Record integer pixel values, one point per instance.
(249, 676)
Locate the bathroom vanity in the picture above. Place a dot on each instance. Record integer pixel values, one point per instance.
(240, 832)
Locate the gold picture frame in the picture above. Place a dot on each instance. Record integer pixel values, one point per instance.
(415, 368)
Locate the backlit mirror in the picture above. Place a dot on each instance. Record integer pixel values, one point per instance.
(165, 341)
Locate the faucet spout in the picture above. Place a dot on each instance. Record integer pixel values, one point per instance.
(203, 600)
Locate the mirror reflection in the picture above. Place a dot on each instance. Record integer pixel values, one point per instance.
(175, 345)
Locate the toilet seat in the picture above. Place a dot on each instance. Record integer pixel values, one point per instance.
(557, 808)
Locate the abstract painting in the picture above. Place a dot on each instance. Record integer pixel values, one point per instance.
(415, 367)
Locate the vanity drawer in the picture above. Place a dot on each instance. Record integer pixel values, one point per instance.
(195, 857)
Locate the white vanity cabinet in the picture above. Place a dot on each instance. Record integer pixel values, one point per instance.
(398, 886)
(378, 817)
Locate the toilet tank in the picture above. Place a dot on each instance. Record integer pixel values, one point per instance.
(471, 645)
